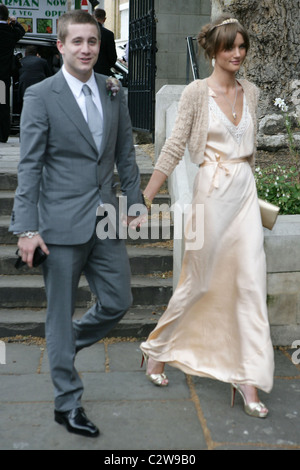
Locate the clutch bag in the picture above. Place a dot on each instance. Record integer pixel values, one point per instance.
(269, 213)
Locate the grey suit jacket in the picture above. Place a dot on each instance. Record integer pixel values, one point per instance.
(62, 175)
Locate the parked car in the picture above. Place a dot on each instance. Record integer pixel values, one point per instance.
(47, 50)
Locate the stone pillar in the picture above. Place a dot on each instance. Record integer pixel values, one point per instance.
(273, 62)
(111, 9)
(175, 21)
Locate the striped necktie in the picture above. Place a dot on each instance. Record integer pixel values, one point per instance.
(93, 116)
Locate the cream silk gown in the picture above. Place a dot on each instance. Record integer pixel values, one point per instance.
(216, 324)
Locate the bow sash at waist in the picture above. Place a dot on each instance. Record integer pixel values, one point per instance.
(221, 165)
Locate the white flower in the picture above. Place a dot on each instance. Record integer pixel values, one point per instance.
(279, 102)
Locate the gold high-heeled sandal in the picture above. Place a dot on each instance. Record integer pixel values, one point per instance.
(252, 409)
(156, 379)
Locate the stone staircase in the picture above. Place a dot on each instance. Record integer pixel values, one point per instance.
(22, 294)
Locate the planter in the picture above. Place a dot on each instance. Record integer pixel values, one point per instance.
(282, 247)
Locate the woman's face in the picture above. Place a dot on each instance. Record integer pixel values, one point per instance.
(231, 59)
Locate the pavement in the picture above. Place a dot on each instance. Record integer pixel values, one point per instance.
(190, 415)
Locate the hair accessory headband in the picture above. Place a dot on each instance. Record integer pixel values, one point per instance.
(225, 22)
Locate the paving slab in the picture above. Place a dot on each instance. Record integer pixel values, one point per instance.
(190, 415)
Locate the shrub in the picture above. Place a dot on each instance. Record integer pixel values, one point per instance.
(280, 186)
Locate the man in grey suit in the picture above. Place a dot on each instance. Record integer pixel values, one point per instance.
(65, 171)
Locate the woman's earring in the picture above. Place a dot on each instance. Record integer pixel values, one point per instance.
(213, 61)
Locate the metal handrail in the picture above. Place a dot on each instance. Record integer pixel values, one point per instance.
(191, 60)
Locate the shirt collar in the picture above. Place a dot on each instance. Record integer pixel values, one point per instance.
(76, 85)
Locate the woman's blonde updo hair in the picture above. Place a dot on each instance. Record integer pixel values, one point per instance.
(214, 38)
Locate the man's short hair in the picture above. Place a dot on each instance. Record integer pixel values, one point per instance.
(31, 50)
(3, 13)
(74, 17)
(100, 14)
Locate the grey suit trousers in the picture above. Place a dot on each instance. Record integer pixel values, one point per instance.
(106, 267)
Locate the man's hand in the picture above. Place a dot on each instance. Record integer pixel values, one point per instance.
(136, 222)
(27, 247)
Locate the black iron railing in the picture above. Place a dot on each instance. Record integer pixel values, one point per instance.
(142, 64)
(191, 62)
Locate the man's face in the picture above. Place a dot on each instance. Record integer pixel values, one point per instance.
(80, 50)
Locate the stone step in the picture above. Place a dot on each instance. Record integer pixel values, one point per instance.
(143, 260)
(8, 180)
(9, 158)
(29, 292)
(6, 237)
(157, 230)
(138, 322)
(6, 202)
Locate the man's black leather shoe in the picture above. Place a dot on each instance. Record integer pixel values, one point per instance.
(76, 422)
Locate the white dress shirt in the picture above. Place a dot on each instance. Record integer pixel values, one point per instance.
(76, 88)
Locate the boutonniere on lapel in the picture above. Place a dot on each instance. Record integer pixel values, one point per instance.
(112, 86)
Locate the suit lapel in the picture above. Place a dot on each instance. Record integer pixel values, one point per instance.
(70, 107)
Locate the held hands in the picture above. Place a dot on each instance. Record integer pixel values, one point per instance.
(27, 248)
(137, 222)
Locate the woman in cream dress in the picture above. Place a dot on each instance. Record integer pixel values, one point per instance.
(216, 324)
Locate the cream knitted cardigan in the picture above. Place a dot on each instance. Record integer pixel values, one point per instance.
(191, 125)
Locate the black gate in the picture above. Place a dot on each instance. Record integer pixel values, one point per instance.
(142, 69)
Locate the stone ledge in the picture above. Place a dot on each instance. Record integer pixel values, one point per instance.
(282, 245)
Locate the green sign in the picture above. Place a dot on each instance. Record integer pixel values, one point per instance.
(37, 16)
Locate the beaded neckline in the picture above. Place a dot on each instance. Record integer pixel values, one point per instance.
(238, 131)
